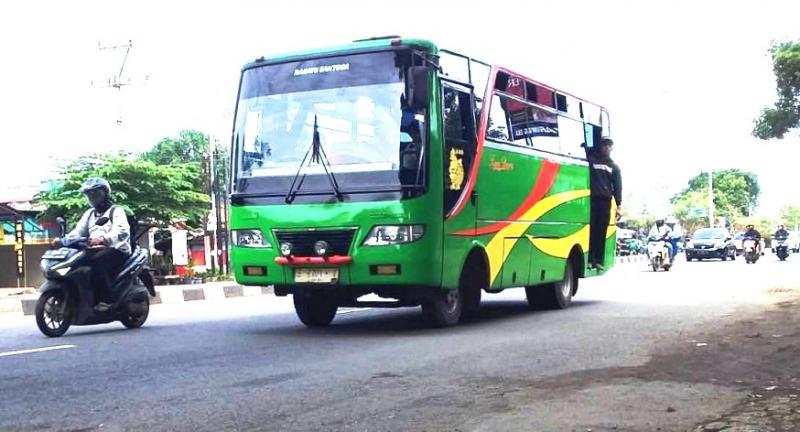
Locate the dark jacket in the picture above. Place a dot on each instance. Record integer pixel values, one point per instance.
(752, 233)
(605, 178)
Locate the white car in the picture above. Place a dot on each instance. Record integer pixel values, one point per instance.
(793, 239)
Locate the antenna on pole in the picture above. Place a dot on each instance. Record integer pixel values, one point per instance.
(118, 79)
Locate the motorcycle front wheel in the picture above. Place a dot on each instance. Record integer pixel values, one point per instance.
(53, 314)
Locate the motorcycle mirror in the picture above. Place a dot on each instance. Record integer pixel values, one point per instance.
(62, 225)
(102, 221)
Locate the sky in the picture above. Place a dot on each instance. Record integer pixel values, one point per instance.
(683, 80)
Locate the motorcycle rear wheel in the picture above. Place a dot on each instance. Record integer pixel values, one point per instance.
(135, 319)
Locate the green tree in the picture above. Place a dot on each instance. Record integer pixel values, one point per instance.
(685, 209)
(192, 147)
(157, 194)
(735, 193)
(188, 146)
(790, 216)
(764, 225)
(640, 222)
(776, 121)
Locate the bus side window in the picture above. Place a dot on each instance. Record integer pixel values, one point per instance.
(498, 121)
(459, 142)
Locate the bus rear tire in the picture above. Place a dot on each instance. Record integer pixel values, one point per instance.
(555, 295)
(315, 308)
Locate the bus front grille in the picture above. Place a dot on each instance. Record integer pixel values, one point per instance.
(303, 241)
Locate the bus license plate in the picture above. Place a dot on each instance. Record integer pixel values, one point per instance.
(316, 275)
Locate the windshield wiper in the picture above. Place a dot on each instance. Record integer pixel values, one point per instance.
(317, 156)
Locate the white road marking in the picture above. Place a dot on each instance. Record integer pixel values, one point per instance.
(35, 350)
(354, 310)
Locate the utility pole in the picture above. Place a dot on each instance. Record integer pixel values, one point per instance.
(212, 227)
(221, 231)
(711, 198)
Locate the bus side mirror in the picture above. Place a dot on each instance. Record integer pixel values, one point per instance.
(418, 87)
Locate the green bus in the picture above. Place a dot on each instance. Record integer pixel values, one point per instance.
(418, 175)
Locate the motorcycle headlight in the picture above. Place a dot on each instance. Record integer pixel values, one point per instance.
(62, 271)
(252, 238)
(382, 235)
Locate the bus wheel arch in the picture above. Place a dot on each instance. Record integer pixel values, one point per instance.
(474, 279)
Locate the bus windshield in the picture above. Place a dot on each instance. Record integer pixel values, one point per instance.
(356, 102)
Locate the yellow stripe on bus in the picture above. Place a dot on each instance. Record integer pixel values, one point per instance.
(515, 230)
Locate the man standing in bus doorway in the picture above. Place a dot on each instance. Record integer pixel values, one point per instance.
(606, 184)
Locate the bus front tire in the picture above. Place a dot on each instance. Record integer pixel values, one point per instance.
(443, 308)
(315, 308)
(556, 295)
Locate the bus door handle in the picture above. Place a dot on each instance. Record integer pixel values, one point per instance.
(473, 197)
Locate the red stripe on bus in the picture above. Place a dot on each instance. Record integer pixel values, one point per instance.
(293, 260)
(547, 176)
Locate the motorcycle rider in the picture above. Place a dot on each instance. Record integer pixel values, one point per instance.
(109, 243)
(661, 231)
(752, 232)
(676, 233)
(781, 233)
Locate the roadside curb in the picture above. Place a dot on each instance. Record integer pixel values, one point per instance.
(166, 294)
(630, 259)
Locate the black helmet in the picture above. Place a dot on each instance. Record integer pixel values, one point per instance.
(99, 201)
(93, 183)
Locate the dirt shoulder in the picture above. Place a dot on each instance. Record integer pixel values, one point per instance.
(738, 375)
(761, 356)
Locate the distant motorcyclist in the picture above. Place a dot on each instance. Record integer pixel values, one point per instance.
(781, 233)
(109, 243)
(752, 232)
(661, 231)
(676, 233)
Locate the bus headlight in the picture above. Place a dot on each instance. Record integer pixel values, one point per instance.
(321, 248)
(253, 238)
(393, 234)
(286, 249)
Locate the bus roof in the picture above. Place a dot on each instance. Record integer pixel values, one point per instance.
(359, 45)
(386, 42)
(509, 71)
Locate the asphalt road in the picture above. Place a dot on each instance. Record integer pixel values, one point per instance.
(248, 363)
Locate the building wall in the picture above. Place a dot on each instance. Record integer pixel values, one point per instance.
(8, 266)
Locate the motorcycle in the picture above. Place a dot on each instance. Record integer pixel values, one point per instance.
(68, 297)
(781, 248)
(750, 250)
(658, 253)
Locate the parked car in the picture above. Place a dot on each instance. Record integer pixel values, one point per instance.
(711, 243)
(737, 241)
(794, 241)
